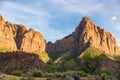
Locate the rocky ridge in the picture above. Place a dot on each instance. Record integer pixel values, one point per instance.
(87, 34)
(17, 37)
(20, 37)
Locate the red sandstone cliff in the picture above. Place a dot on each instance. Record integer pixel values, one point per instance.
(14, 36)
(6, 35)
(17, 37)
(85, 35)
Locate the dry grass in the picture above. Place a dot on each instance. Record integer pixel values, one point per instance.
(11, 77)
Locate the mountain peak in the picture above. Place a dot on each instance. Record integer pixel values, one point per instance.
(85, 18)
(87, 34)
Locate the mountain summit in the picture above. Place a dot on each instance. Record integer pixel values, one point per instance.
(87, 34)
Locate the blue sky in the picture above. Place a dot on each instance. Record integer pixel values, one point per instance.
(56, 19)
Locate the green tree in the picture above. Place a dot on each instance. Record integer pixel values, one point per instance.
(91, 63)
(51, 67)
(69, 64)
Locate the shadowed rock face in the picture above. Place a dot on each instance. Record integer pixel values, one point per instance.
(87, 34)
(111, 65)
(20, 61)
(18, 37)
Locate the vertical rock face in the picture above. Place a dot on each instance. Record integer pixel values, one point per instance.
(87, 34)
(6, 36)
(18, 37)
(1, 22)
(32, 41)
(18, 32)
(94, 36)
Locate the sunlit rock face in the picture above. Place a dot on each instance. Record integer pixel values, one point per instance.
(6, 35)
(87, 34)
(33, 41)
(17, 37)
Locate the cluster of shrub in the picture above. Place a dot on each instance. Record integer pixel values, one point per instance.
(90, 64)
(68, 75)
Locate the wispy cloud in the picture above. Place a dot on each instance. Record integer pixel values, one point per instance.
(35, 17)
(40, 14)
(79, 6)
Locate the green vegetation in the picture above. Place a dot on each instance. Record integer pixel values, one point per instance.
(4, 50)
(43, 56)
(69, 64)
(105, 71)
(105, 76)
(69, 78)
(13, 79)
(78, 75)
(68, 75)
(91, 59)
(91, 63)
(17, 72)
(51, 67)
(37, 73)
(92, 52)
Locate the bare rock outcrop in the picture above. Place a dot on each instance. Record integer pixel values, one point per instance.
(6, 36)
(110, 65)
(33, 41)
(14, 36)
(17, 37)
(87, 34)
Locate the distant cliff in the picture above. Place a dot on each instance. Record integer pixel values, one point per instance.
(17, 37)
(87, 34)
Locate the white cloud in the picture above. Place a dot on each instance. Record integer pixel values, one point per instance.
(114, 18)
(79, 6)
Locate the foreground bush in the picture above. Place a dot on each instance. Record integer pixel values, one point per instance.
(68, 78)
(17, 72)
(105, 76)
(51, 67)
(37, 73)
(104, 70)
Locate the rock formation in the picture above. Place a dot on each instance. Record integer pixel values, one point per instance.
(18, 37)
(87, 34)
(33, 41)
(6, 35)
(20, 61)
(14, 36)
(110, 65)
